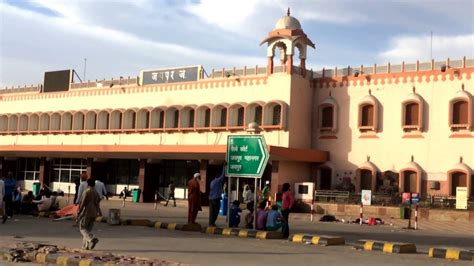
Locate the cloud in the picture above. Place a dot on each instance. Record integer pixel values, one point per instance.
(412, 48)
(63, 43)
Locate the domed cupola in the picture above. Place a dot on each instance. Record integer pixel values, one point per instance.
(286, 36)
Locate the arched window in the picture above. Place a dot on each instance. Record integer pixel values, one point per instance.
(44, 122)
(410, 177)
(55, 122)
(460, 175)
(66, 121)
(366, 176)
(79, 118)
(23, 123)
(328, 115)
(236, 115)
(203, 116)
(103, 120)
(460, 111)
(3, 123)
(368, 114)
(116, 120)
(254, 113)
(13, 124)
(274, 114)
(33, 123)
(412, 112)
(219, 116)
(157, 118)
(172, 117)
(143, 119)
(91, 120)
(187, 117)
(129, 119)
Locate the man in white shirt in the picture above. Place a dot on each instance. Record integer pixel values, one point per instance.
(100, 189)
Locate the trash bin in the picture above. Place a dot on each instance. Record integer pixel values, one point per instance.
(223, 207)
(114, 217)
(404, 212)
(36, 188)
(136, 195)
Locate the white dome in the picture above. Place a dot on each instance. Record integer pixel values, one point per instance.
(463, 94)
(330, 101)
(288, 22)
(462, 167)
(369, 99)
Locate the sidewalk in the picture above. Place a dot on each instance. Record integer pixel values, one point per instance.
(179, 215)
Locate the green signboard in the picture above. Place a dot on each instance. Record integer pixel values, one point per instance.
(247, 155)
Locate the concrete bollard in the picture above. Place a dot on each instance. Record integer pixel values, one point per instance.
(114, 217)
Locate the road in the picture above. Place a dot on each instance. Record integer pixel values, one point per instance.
(202, 249)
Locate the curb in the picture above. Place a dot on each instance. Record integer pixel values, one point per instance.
(180, 227)
(451, 254)
(246, 233)
(317, 240)
(386, 247)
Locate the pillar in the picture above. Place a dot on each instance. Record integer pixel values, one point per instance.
(1, 167)
(275, 186)
(41, 170)
(89, 167)
(303, 67)
(289, 64)
(203, 173)
(270, 65)
(141, 178)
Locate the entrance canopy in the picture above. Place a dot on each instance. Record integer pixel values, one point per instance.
(167, 152)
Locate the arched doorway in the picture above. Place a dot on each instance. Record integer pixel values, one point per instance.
(409, 181)
(365, 179)
(458, 179)
(325, 178)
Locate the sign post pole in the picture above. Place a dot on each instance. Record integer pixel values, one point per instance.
(255, 205)
(229, 191)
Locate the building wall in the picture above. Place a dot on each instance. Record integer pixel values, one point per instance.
(437, 149)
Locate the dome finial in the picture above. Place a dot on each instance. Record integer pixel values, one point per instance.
(288, 12)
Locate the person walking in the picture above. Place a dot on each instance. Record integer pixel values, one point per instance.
(101, 190)
(215, 196)
(10, 187)
(2, 203)
(288, 201)
(171, 188)
(194, 198)
(89, 209)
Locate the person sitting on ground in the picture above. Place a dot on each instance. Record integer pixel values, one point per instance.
(249, 217)
(27, 205)
(17, 200)
(234, 219)
(261, 216)
(47, 203)
(275, 220)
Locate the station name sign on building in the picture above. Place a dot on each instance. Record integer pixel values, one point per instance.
(247, 155)
(170, 75)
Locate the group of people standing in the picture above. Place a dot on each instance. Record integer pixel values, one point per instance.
(270, 216)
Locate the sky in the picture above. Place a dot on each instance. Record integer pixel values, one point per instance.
(123, 37)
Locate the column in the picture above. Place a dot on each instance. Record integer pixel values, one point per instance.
(203, 173)
(1, 167)
(303, 67)
(41, 170)
(141, 178)
(89, 167)
(274, 183)
(289, 64)
(269, 65)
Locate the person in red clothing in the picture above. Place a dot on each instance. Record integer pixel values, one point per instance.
(287, 203)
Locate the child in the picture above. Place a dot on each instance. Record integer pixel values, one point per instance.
(234, 218)
(261, 216)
